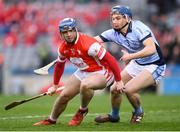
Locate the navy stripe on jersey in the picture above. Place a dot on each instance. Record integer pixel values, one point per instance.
(162, 62)
(148, 36)
(159, 62)
(103, 38)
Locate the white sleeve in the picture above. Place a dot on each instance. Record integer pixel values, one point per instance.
(97, 50)
(61, 58)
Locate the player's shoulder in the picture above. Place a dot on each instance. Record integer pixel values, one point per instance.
(138, 25)
(87, 39)
(108, 31)
(138, 22)
(61, 46)
(85, 36)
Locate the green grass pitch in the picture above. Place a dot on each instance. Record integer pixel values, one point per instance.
(162, 113)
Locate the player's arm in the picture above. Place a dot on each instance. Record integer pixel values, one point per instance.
(144, 35)
(98, 51)
(58, 71)
(105, 36)
(98, 38)
(111, 61)
(149, 49)
(116, 71)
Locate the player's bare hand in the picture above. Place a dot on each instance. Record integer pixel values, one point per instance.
(52, 90)
(125, 57)
(120, 86)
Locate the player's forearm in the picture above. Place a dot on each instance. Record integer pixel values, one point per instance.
(113, 65)
(148, 50)
(58, 71)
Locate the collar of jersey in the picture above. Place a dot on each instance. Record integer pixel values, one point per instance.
(129, 28)
(77, 38)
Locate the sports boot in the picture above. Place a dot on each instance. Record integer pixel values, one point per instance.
(136, 118)
(78, 117)
(45, 122)
(106, 118)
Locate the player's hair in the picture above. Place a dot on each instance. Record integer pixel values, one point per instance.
(67, 24)
(123, 10)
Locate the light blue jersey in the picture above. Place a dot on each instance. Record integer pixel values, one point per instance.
(133, 41)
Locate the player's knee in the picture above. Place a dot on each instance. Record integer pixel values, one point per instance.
(128, 90)
(83, 86)
(114, 92)
(64, 98)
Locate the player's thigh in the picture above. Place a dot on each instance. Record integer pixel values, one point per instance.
(95, 81)
(125, 76)
(72, 86)
(142, 80)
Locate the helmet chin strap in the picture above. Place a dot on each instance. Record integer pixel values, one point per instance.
(119, 30)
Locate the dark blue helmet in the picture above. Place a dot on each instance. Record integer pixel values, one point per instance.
(67, 24)
(123, 10)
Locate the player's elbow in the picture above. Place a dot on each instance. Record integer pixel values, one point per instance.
(153, 49)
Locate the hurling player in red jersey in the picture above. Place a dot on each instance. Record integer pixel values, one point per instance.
(97, 69)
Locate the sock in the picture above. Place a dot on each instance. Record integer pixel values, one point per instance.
(138, 110)
(83, 109)
(115, 113)
(52, 119)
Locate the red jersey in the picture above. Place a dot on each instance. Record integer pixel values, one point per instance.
(86, 53)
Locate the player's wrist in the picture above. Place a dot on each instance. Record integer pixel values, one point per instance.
(55, 86)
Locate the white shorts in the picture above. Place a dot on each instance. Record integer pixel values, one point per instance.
(133, 69)
(108, 74)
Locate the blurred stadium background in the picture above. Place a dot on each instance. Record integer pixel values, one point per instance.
(29, 37)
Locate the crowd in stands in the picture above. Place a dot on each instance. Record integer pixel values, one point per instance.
(164, 20)
(25, 22)
(28, 24)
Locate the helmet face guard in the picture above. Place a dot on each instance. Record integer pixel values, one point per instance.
(123, 10)
(67, 24)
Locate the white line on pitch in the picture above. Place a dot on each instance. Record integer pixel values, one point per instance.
(70, 115)
(40, 116)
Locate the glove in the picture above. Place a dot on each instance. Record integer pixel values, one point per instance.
(51, 91)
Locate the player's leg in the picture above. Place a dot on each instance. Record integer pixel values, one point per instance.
(71, 89)
(142, 80)
(135, 70)
(116, 100)
(144, 75)
(87, 87)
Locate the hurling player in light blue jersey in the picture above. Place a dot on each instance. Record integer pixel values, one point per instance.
(144, 57)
